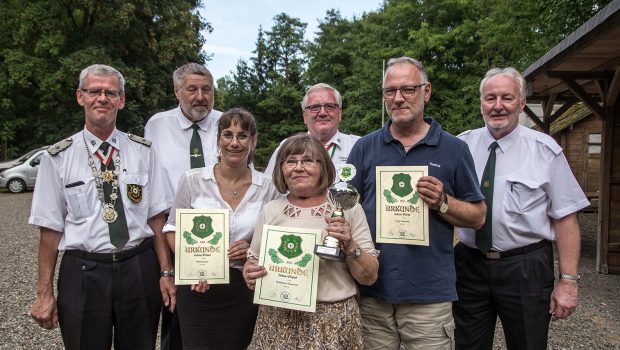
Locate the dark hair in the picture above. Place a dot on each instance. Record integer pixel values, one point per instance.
(241, 117)
(300, 144)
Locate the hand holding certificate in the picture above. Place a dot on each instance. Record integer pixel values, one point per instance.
(201, 247)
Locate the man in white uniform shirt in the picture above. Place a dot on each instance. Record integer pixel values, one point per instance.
(506, 268)
(181, 138)
(99, 199)
(322, 111)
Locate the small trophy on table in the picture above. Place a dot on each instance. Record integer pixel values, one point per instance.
(342, 196)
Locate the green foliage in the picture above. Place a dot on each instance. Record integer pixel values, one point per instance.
(47, 43)
(270, 84)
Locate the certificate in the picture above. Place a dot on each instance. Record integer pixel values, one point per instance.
(287, 254)
(201, 246)
(402, 217)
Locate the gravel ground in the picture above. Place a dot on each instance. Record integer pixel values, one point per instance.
(595, 324)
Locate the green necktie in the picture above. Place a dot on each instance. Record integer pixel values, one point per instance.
(119, 234)
(485, 234)
(196, 158)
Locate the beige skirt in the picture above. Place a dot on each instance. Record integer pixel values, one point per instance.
(333, 326)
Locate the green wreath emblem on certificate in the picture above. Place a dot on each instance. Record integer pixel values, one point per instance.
(203, 228)
(290, 247)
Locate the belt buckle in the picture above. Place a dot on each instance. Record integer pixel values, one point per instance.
(492, 255)
(116, 256)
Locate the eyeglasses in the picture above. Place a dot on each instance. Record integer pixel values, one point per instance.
(111, 94)
(192, 90)
(306, 162)
(406, 91)
(241, 137)
(329, 107)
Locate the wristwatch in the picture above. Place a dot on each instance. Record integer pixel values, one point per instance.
(443, 207)
(356, 254)
(166, 273)
(567, 276)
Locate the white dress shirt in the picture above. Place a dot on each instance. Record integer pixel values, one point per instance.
(533, 184)
(171, 133)
(343, 144)
(77, 211)
(198, 190)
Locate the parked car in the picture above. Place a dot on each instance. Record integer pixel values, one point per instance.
(17, 161)
(23, 174)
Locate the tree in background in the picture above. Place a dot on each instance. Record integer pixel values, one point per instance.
(47, 43)
(270, 84)
(457, 40)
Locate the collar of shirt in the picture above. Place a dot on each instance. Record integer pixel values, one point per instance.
(186, 123)
(431, 138)
(336, 139)
(505, 142)
(93, 142)
(208, 174)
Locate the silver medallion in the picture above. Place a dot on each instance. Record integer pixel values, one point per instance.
(109, 214)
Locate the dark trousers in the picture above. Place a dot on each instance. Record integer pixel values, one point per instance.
(100, 302)
(517, 289)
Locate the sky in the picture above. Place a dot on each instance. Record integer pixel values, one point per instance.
(235, 24)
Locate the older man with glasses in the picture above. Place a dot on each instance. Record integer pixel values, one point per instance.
(411, 301)
(99, 198)
(322, 111)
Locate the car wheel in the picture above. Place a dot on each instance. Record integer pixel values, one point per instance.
(16, 186)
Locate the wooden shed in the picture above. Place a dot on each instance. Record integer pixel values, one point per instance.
(579, 132)
(585, 67)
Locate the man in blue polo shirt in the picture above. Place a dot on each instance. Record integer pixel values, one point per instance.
(411, 302)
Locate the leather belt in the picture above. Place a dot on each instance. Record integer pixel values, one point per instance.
(493, 255)
(113, 257)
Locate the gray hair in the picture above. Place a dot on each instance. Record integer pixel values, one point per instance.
(321, 86)
(190, 68)
(101, 69)
(407, 60)
(513, 73)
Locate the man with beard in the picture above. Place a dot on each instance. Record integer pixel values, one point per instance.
(411, 301)
(322, 111)
(184, 138)
(506, 268)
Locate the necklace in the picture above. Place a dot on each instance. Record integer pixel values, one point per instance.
(108, 176)
(233, 191)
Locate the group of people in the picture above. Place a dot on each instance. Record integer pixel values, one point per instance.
(507, 188)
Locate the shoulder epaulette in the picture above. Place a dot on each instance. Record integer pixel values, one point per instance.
(464, 133)
(138, 139)
(59, 146)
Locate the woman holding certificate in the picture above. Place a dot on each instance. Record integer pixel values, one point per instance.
(305, 170)
(222, 316)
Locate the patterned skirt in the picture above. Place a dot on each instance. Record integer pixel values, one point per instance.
(333, 326)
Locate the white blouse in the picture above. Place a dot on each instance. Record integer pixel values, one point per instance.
(198, 190)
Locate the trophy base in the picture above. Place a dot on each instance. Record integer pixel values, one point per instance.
(329, 253)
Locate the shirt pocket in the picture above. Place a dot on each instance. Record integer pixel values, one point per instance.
(205, 203)
(134, 188)
(523, 195)
(79, 205)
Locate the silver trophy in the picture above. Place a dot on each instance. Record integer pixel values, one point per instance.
(342, 196)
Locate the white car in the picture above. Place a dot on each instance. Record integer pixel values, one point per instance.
(22, 175)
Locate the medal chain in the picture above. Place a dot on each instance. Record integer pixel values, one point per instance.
(109, 213)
